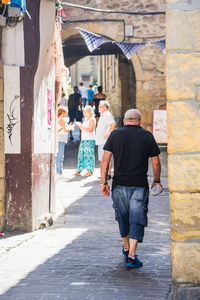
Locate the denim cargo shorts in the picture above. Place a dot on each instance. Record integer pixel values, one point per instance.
(131, 208)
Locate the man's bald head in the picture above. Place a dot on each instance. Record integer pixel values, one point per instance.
(132, 116)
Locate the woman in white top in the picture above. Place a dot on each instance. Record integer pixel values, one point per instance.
(62, 135)
(86, 154)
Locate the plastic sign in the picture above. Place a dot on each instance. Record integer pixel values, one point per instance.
(160, 126)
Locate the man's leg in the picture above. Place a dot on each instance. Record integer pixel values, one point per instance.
(133, 246)
(126, 242)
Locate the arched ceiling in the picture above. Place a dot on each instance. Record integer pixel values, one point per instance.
(75, 48)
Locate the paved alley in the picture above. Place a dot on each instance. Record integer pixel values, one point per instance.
(79, 257)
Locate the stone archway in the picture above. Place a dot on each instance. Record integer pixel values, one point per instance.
(148, 71)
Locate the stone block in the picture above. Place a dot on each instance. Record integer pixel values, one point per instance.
(183, 116)
(185, 216)
(183, 75)
(1, 89)
(183, 172)
(186, 291)
(185, 258)
(1, 208)
(1, 114)
(2, 189)
(186, 26)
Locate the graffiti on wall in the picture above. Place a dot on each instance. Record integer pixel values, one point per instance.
(12, 116)
(13, 119)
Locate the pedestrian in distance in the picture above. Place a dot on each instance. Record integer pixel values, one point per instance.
(96, 100)
(86, 154)
(84, 93)
(63, 100)
(90, 95)
(75, 108)
(62, 136)
(105, 126)
(131, 146)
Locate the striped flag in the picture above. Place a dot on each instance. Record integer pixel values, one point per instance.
(129, 49)
(93, 40)
(160, 44)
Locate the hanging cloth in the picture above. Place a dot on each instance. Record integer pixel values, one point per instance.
(93, 40)
(129, 49)
(19, 3)
(161, 45)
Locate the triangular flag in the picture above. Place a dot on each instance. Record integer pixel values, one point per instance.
(129, 49)
(93, 40)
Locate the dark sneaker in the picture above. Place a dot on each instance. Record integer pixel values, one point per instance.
(125, 254)
(134, 263)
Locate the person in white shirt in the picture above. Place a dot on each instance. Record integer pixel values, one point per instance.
(86, 154)
(84, 93)
(106, 125)
(62, 135)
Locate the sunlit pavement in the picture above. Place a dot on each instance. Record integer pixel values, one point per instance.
(79, 257)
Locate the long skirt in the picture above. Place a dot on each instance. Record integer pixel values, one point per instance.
(86, 156)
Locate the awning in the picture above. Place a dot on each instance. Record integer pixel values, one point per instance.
(19, 3)
(93, 41)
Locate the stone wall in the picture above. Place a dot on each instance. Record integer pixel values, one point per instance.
(183, 113)
(2, 160)
(149, 63)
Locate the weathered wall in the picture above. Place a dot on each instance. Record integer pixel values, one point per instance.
(29, 139)
(2, 160)
(183, 113)
(109, 79)
(117, 76)
(85, 66)
(149, 65)
(44, 120)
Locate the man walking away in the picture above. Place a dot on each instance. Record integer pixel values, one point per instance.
(83, 92)
(90, 95)
(73, 103)
(105, 126)
(131, 147)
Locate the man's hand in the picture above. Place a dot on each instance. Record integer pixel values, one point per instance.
(105, 189)
(154, 183)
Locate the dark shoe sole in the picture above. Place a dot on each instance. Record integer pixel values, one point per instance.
(136, 266)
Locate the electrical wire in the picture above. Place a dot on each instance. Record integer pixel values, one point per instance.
(113, 11)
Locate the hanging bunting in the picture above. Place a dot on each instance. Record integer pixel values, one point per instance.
(93, 40)
(160, 44)
(129, 49)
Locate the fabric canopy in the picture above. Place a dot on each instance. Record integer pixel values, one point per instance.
(93, 41)
(19, 3)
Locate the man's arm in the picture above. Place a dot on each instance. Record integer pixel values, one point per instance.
(80, 103)
(156, 166)
(112, 127)
(105, 188)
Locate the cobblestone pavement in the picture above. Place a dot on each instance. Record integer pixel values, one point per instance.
(79, 257)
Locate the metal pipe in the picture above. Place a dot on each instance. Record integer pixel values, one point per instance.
(113, 11)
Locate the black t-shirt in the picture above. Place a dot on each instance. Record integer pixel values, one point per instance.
(73, 102)
(131, 146)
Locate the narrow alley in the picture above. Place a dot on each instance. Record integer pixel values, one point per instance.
(79, 257)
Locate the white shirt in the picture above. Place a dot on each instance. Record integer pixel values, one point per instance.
(88, 135)
(62, 135)
(83, 91)
(103, 127)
